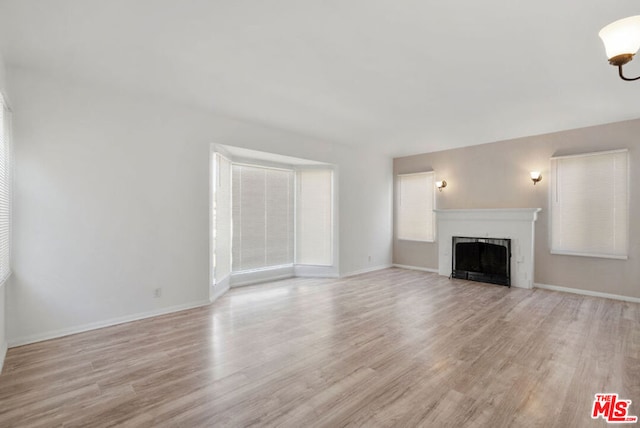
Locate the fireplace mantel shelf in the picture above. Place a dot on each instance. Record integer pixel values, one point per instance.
(494, 214)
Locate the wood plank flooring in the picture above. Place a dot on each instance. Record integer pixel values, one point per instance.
(393, 348)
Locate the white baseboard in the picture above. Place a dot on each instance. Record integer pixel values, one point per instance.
(424, 269)
(3, 354)
(219, 289)
(54, 334)
(587, 292)
(366, 270)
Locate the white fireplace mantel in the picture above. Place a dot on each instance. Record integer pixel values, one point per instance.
(517, 224)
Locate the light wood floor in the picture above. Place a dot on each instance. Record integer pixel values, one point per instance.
(389, 348)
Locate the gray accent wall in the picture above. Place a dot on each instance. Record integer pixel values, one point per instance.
(496, 175)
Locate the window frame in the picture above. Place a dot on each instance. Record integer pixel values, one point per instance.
(267, 268)
(554, 184)
(219, 272)
(297, 216)
(433, 205)
(7, 139)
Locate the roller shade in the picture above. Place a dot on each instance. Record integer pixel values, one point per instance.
(415, 206)
(262, 211)
(5, 192)
(314, 211)
(590, 204)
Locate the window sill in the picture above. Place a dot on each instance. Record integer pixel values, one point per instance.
(598, 256)
(417, 240)
(255, 276)
(314, 265)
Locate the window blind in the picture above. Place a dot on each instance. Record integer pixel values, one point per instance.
(415, 207)
(5, 192)
(262, 211)
(314, 210)
(589, 204)
(222, 217)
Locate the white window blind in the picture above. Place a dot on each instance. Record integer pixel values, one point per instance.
(589, 204)
(262, 211)
(314, 210)
(415, 206)
(221, 218)
(5, 192)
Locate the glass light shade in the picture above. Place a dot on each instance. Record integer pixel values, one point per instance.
(622, 36)
(439, 184)
(535, 175)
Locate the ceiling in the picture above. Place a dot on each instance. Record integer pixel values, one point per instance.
(401, 77)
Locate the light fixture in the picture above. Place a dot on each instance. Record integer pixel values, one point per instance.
(441, 185)
(536, 177)
(621, 41)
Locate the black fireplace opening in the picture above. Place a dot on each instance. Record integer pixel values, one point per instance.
(482, 259)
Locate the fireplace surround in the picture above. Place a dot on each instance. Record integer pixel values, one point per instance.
(516, 224)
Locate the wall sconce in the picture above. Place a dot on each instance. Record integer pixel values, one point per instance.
(621, 41)
(536, 177)
(441, 185)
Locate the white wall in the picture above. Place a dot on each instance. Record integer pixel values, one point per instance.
(111, 202)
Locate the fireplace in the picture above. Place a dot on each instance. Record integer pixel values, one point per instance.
(516, 224)
(481, 259)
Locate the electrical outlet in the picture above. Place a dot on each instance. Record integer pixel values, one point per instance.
(157, 293)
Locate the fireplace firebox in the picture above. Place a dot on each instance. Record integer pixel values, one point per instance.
(482, 259)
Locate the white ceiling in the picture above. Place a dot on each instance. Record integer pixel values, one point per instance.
(402, 77)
